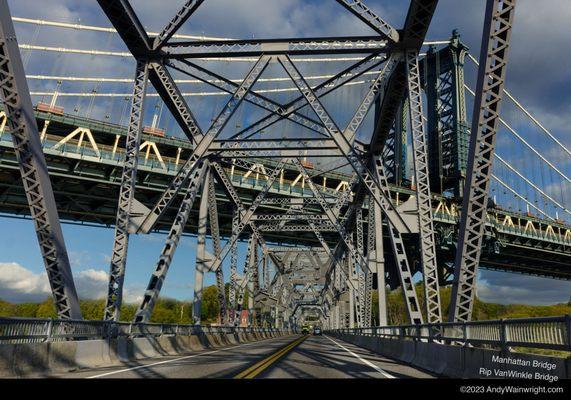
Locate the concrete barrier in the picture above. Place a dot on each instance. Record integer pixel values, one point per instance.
(62, 356)
(463, 361)
(7, 360)
(42, 359)
(90, 353)
(30, 358)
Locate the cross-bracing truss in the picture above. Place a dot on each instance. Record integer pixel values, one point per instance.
(337, 276)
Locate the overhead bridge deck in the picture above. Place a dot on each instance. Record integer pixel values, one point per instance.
(85, 161)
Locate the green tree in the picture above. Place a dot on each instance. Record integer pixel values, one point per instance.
(46, 309)
(210, 305)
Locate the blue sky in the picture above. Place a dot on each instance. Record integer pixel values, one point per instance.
(538, 75)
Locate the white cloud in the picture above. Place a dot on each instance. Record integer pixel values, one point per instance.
(510, 288)
(19, 284)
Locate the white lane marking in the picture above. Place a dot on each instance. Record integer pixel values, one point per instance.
(175, 359)
(370, 364)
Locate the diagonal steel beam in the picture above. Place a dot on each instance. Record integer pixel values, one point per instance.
(412, 36)
(489, 91)
(189, 7)
(169, 92)
(354, 158)
(245, 215)
(219, 82)
(339, 80)
(204, 144)
(365, 14)
(159, 275)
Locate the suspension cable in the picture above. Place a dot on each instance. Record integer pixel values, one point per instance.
(521, 197)
(518, 104)
(513, 132)
(532, 184)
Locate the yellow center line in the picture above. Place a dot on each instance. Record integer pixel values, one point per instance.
(260, 366)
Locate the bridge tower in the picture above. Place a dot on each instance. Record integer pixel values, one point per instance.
(442, 77)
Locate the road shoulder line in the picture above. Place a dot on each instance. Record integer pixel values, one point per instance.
(366, 362)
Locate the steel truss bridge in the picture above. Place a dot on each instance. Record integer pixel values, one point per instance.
(319, 241)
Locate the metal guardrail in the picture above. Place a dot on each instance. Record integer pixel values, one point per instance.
(38, 330)
(553, 333)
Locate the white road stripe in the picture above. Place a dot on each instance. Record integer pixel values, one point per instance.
(176, 359)
(370, 364)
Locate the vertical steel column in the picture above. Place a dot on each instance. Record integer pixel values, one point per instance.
(22, 125)
(426, 227)
(215, 234)
(363, 270)
(234, 266)
(126, 193)
(253, 282)
(200, 265)
(489, 90)
(240, 291)
(377, 259)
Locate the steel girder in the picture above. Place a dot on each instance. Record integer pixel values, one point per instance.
(23, 128)
(139, 44)
(257, 47)
(126, 195)
(245, 215)
(489, 90)
(425, 220)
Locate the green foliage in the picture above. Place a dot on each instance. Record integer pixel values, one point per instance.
(180, 312)
(397, 314)
(210, 304)
(165, 311)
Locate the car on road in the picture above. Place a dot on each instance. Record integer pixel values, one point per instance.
(305, 330)
(317, 330)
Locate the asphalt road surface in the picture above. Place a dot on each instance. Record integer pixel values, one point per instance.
(294, 356)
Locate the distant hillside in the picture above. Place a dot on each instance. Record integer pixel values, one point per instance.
(166, 311)
(482, 311)
(174, 311)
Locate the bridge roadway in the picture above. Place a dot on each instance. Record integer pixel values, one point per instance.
(295, 356)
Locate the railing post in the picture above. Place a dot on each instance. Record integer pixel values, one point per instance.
(50, 327)
(430, 332)
(503, 335)
(568, 328)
